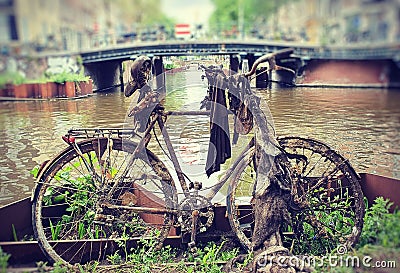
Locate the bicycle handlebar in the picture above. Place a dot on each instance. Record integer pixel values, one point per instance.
(152, 97)
(211, 68)
(268, 57)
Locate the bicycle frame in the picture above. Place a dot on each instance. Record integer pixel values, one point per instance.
(157, 118)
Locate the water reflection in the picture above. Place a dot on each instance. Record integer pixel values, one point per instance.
(363, 124)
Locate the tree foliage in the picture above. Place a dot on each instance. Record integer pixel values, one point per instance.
(227, 12)
(143, 12)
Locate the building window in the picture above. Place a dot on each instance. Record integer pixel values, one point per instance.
(13, 28)
(6, 3)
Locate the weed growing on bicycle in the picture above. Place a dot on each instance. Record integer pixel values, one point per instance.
(4, 260)
(78, 194)
(122, 242)
(145, 257)
(323, 226)
(379, 224)
(55, 230)
(89, 267)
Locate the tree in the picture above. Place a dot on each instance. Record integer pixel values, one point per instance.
(228, 12)
(143, 12)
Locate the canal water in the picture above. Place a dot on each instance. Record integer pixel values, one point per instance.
(362, 124)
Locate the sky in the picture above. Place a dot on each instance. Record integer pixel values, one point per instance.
(188, 11)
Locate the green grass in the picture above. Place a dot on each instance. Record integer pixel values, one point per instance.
(379, 242)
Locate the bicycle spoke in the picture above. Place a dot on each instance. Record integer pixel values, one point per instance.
(327, 190)
(71, 209)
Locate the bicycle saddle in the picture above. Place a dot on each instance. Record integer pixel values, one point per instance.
(140, 73)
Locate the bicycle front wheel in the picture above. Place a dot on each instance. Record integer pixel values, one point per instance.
(95, 202)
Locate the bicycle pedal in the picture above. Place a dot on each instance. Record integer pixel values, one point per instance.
(193, 248)
(198, 185)
(195, 185)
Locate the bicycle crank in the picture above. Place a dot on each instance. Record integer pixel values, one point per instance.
(196, 216)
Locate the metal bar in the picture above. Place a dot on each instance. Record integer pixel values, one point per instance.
(108, 88)
(100, 130)
(96, 132)
(142, 209)
(121, 76)
(174, 159)
(141, 145)
(188, 113)
(214, 189)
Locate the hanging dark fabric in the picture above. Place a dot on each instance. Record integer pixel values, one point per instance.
(219, 149)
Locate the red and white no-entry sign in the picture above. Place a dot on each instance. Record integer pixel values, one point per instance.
(182, 31)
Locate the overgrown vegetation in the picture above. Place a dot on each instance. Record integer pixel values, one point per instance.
(3, 260)
(208, 258)
(380, 226)
(379, 240)
(334, 217)
(16, 78)
(11, 78)
(67, 77)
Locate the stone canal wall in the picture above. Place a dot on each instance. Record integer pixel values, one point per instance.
(349, 73)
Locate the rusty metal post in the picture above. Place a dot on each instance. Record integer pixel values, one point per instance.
(159, 74)
(121, 76)
(251, 59)
(233, 64)
(262, 77)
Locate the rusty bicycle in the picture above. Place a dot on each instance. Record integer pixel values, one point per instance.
(108, 190)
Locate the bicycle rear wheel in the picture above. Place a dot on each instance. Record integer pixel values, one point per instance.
(84, 203)
(327, 208)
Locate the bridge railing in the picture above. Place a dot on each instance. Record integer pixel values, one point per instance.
(248, 33)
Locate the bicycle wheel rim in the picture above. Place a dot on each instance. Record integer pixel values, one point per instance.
(100, 239)
(334, 213)
(241, 215)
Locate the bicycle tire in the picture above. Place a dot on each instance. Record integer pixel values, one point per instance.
(314, 226)
(68, 222)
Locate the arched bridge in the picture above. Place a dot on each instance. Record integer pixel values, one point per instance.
(176, 48)
(104, 65)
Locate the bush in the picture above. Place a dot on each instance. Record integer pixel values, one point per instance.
(11, 78)
(380, 226)
(67, 77)
(3, 260)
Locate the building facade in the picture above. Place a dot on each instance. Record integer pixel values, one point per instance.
(339, 21)
(70, 25)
